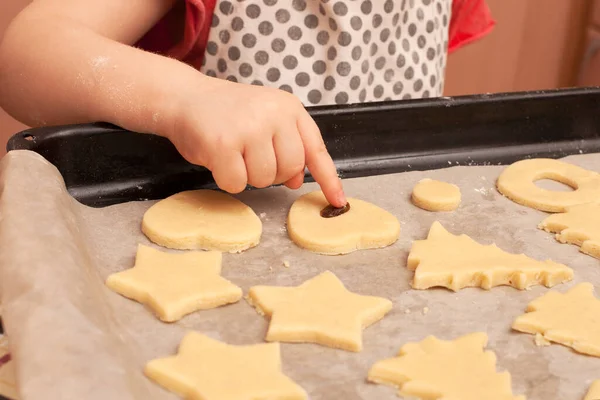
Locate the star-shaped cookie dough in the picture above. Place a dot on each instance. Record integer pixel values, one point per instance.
(579, 225)
(594, 392)
(207, 369)
(321, 310)
(175, 284)
(451, 370)
(456, 262)
(571, 319)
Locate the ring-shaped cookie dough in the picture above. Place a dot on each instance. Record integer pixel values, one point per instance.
(432, 195)
(517, 182)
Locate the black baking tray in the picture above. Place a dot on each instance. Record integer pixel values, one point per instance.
(104, 164)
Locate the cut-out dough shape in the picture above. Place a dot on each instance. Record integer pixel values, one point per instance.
(456, 262)
(579, 225)
(202, 219)
(207, 369)
(594, 392)
(174, 285)
(435, 369)
(321, 310)
(571, 319)
(517, 182)
(432, 195)
(364, 226)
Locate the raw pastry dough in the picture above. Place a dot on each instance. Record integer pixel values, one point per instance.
(594, 392)
(432, 195)
(517, 183)
(579, 225)
(455, 262)
(207, 369)
(364, 226)
(571, 319)
(202, 219)
(321, 310)
(451, 370)
(174, 285)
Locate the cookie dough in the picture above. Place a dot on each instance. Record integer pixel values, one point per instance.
(517, 182)
(202, 219)
(364, 226)
(456, 262)
(432, 195)
(174, 285)
(207, 369)
(571, 319)
(594, 392)
(321, 310)
(437, 369)
(579, 225)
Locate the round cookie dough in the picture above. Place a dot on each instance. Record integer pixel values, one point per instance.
(202, 219)
(517, 182)
(364, 226)
(432, 195)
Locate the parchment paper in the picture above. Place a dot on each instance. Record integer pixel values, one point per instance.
(72, 338)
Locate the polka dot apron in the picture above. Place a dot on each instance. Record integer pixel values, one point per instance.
(332, 51)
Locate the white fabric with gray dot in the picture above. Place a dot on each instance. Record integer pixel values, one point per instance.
(332, 51)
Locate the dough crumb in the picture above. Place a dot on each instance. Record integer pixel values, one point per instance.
(270, 268)
(425, 310)
(540, 340)
(286, 263)
(263, 215)
(407, 311)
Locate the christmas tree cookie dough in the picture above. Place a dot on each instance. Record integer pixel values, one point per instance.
(579, 225)
(451, 370)
(211, 370)
(321, 310)
(456, 262)
(174, 285)
(571, 319)
(517, 182)
(202, 219)
(594, 392)
(432, 195)
(363, 226)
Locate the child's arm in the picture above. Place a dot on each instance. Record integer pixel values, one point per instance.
(70, 61)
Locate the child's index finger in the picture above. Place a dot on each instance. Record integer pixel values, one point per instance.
(319, 162)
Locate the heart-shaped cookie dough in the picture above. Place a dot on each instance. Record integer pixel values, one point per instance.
(364, 226)
(202, 219)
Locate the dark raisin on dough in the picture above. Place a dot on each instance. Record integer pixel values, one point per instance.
(331, 211)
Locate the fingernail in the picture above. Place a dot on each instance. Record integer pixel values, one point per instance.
(342, 199)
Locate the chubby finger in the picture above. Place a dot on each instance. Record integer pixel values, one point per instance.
(319, 161)
(296, 181)
(289, 152)
(229, 171)
(261, 164)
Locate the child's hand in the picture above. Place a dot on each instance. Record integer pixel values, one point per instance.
(252, 135)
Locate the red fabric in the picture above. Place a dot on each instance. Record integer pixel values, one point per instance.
(182, 33)
(471, 20)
